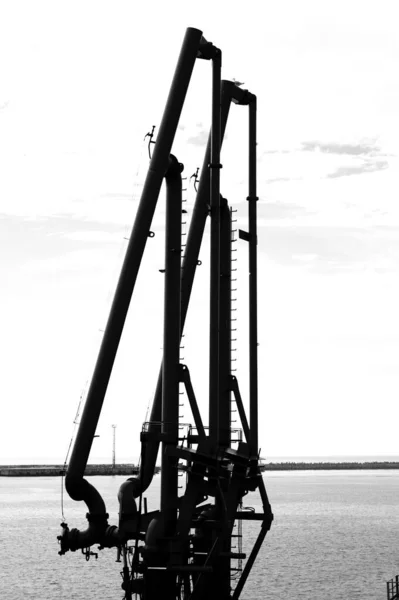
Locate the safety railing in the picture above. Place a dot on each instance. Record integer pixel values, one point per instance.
(393, 589)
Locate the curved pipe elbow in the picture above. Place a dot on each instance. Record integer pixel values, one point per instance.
(81, 490)
(143, 480)
(98, 531)
(127, 502)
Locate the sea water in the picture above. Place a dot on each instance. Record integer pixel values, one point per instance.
(335, 536)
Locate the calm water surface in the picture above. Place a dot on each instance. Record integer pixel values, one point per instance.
(335, 536)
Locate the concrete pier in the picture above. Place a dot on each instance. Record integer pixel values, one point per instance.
(328, 466)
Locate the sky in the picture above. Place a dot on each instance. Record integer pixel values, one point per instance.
(81, 83)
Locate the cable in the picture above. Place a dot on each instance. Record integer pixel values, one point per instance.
(75, 424)
(134, 197)
(127, 227)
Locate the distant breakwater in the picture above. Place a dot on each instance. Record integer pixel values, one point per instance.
(131, 469)
(328, 466)
(55, 470)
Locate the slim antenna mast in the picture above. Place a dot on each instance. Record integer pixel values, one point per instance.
(113, 446)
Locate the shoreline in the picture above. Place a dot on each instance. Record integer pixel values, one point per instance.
(131, 469)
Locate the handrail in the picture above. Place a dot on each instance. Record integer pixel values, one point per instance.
(393, 588)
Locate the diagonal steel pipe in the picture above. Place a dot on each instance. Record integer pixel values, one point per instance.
(77, 487)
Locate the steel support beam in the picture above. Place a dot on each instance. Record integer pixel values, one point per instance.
(253, 281)
(186, 379)
(241, 409)
(214, 311)
(250, 562)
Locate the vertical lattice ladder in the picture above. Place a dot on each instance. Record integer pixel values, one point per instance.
(233, 317)
(181, 355)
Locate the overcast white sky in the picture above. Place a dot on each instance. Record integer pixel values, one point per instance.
(81, 83)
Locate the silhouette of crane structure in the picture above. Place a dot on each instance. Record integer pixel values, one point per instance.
(184, 550)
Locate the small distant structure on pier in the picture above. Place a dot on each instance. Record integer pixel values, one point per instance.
(113, 447)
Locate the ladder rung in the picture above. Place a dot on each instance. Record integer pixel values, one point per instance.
(233, 554)
(188, 568)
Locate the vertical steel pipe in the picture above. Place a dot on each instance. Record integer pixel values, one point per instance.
(171, 343)
(131, 264)
(214, 318)
(253, 282)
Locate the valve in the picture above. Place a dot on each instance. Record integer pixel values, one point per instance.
(196, 180)
(63, 539)
(150, 135)
(88, 553)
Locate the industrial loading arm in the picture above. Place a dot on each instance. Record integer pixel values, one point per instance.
(185, 548)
